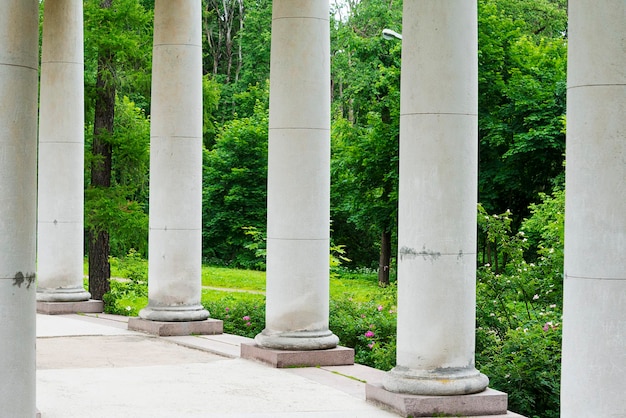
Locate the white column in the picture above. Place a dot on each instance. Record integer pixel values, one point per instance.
(298, 196)
(18, 204)
(61, 155)
(437, 201)
(594, 313)
(175, 239)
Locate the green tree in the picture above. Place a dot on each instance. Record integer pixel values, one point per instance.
(366, 101)
(237, 46)
(116, 31)
(522, 70)
(235, 190)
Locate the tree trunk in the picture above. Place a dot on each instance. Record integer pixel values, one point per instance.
(385, 258)
(99, 268)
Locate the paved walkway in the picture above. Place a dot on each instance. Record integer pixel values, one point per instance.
(92, 366)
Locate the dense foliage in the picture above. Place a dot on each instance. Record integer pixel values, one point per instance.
(234, 195)
(519, 306)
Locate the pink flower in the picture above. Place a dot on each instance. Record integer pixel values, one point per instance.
(369, 334)
(227, 309)
(548, 325)
(362, 315)
(246, 318)
(248, 324)
(380, 308)
(371, 345)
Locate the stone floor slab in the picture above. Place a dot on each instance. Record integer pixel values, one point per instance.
(224, 388)
(73, 325)
(102, 351)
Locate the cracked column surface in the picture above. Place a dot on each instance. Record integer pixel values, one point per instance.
(175, 241)
(594, 301)
(298, 198)
(437, 201)
(60, 231)
(18, 204)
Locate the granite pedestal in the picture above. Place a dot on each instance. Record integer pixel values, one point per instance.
(338, 356)
(166, 329)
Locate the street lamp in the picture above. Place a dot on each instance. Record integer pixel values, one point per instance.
(389, 34)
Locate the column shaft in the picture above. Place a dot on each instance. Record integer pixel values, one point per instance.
(594, 306)
(175, 238)
(298, 200)
(61, 185)
(437, 201)
(18, 203)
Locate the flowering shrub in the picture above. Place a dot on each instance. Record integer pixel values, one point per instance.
(130, 295)
(368, 327)
(243, 316)
(519, 306)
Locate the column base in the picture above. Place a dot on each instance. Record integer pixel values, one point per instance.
(168, 329)
(174, 313)
(337, 356)
(489, 402)
(63, 308)
(444, 382)
(297, 340)
(63, 294)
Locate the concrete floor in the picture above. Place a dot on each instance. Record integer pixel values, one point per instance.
(91, 366)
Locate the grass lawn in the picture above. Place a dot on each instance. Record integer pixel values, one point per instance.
(230, 286)
(222, 277)
(361, 287)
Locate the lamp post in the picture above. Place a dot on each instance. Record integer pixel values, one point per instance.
(389, 34)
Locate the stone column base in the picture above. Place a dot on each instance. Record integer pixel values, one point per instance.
(61, 308)
(167, 329)
(485, 403)
(338, 356)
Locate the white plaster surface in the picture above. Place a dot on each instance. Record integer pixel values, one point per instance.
(18, 190)
(437, 200)
(299, 184)
(436, 35)
(177, 190)
(298, 222)
(175, 266)
(60, 229)
(594, 306)
(174, 270)
(296, 298)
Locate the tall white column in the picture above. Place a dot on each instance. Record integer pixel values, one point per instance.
(18, 204)
(175, 240)
(298, 196)
(437, 201)
(61, 155)
(594, 311)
